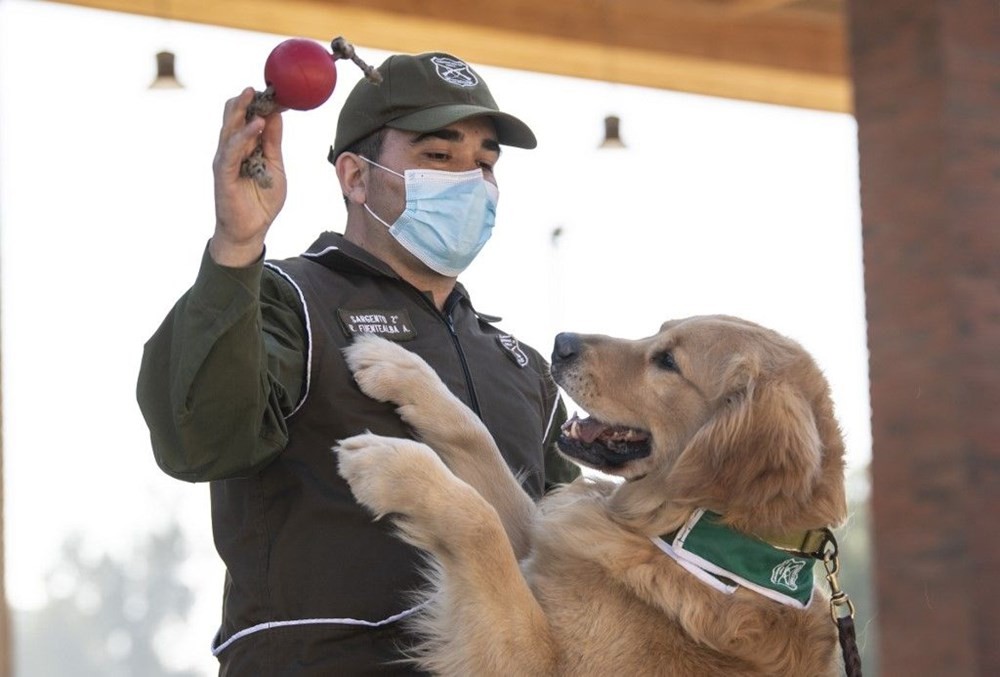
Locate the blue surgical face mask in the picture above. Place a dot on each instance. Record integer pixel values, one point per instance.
(448, 216)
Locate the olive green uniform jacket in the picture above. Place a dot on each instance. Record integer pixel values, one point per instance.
(245, 385)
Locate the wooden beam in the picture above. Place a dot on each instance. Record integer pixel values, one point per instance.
(770, 57)
(749, 6)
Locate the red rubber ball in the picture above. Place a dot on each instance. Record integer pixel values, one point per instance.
(302, 74)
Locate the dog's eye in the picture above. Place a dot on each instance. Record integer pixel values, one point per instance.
(665, 360)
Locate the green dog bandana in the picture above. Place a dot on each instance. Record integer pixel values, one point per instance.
(709, 550)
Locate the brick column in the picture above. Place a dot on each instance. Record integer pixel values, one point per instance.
(927, 101)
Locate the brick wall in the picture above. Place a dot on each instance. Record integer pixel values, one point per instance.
(927, 100)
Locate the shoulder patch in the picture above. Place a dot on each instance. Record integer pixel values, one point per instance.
(394, 325)
(513, 350)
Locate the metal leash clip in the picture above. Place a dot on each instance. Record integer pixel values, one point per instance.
(841, 606)
(831, 562)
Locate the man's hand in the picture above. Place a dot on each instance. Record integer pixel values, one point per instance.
(243, 209)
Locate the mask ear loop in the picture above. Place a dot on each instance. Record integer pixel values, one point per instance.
(365, 205)
(372, 162)
(376, 216)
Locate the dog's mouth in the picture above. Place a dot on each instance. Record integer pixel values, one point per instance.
(601, 445)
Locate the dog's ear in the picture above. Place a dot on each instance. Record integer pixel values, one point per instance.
(758, 459)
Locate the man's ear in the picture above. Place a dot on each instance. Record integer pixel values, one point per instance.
(352, 172)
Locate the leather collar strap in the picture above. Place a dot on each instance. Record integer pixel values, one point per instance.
(806, 543)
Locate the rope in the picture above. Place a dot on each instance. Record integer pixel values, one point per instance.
(849, 646)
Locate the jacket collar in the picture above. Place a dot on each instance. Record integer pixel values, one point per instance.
(334, 251)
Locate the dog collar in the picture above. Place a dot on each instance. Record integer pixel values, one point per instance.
(727, 559)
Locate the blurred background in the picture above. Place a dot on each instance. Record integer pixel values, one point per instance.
(695, 204)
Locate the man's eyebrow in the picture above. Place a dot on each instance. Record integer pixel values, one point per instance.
(445, 134)
(453, 135)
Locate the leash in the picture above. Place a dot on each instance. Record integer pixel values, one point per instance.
(841, 606)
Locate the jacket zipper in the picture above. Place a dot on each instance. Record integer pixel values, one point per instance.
(450, 323)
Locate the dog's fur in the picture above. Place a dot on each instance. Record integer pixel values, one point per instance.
(739, 421)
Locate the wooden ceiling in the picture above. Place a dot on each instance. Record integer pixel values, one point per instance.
(789, 52)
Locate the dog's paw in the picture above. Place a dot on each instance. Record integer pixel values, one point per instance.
(387, 372)
(388, 474)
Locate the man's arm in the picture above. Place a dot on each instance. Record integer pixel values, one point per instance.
(226, 364)
(222, 371)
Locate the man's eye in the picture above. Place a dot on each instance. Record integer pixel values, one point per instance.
(665, 360)
(486, 167)
(440, 157)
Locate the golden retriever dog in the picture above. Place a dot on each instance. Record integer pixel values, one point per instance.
(696, 559)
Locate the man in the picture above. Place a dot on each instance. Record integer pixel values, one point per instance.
(245, 385)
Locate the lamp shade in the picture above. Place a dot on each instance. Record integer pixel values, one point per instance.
(165, 76)
(612, 136)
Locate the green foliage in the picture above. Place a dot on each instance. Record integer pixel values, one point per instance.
(104, 616)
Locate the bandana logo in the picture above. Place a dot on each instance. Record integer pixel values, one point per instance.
(513, 350)
(786, 574)
(454, 72)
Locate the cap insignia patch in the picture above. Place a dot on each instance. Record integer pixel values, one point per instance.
(454, 72)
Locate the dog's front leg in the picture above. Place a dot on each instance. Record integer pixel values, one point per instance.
(390, 373)
(482, 618)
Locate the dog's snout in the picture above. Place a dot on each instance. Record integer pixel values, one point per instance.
(567, 347)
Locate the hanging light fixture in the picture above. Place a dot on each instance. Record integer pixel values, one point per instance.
(166, 78)
(612, 135)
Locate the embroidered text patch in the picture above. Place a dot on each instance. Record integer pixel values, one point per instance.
(394, 325)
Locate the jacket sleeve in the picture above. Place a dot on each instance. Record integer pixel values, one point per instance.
(221, 373)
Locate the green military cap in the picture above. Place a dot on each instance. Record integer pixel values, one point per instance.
(423, 93)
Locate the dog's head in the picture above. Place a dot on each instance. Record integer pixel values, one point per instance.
(712, 412)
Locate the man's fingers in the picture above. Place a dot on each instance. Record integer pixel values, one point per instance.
(235, 113)
(237, 146)
(270, 138)
(240, 103)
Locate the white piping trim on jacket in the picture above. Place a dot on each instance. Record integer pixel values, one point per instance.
(309, 341)
(216, 650)
(316, 255)
(552, 417)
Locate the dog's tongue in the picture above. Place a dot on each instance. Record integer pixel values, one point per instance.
(584, 429)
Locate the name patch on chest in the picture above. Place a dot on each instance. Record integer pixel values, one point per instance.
(394, 325)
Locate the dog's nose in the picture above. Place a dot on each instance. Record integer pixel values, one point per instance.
(567, 347)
